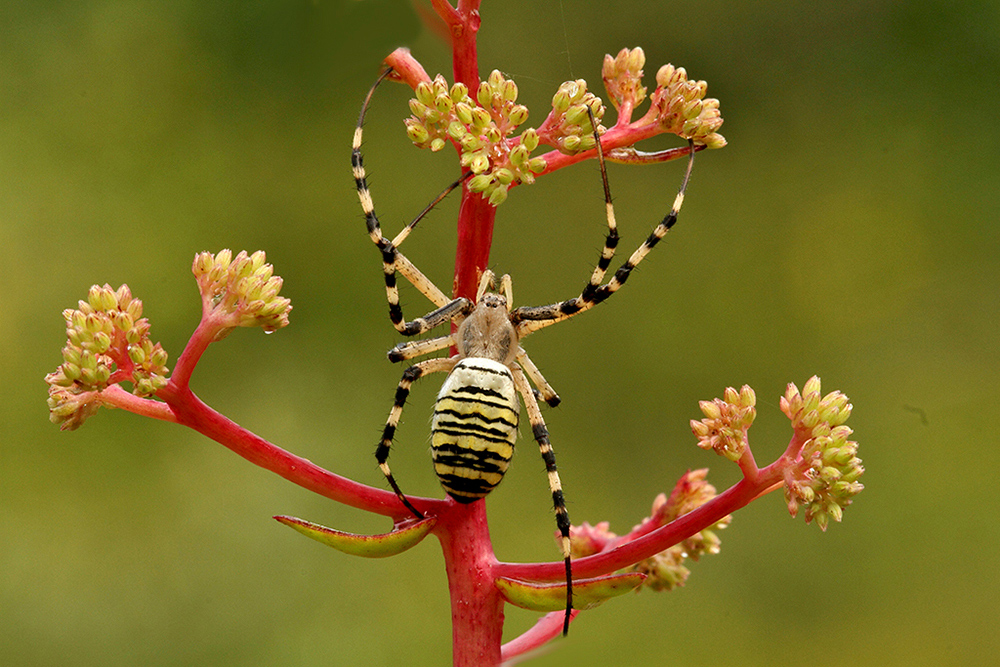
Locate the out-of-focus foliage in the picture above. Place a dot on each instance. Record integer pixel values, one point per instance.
(849, 230)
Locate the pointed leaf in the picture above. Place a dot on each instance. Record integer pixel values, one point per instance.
(587, 593)
(369, 546)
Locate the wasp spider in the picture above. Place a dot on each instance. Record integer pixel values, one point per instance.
(476, 415)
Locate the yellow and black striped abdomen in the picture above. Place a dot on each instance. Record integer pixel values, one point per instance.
(474, 428)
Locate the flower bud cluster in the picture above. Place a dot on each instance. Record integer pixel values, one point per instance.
(568, 125)
(680, 107)
(107, 343)
(622, 76)
(240, 291)
(826, 479)
(587, 540)
(666, 570)
(726, 421)
(480, 128)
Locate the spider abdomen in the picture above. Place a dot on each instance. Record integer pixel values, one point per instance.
(474, 428)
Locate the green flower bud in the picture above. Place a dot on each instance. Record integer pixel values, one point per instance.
(459, 92)
(508, 91)
(102, 341)
(481, 118)
(499, 195)
(425, 95)
(136, 354)
(484, 95)
(518, 114)
(561, 100)
(443, 104)
(529, 139)
(503, 176)
(464, 113)
(496, 80)
(456, 130)
(479, 164)
(480, 182)
(576, 115)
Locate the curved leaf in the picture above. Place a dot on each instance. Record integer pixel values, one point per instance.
(369, 546)
(587, 593)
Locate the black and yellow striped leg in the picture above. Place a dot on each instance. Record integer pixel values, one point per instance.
(545, 390)
(529, 319)
(541, 434)
(418, 348)
(392, 260)
(410, 375)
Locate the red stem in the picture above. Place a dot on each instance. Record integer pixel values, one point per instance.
(476, 604)
(735, 497)
(182, 406)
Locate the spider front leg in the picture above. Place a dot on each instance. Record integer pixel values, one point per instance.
(529, 319)
(410, 375)
(541, 435)
(392, 260)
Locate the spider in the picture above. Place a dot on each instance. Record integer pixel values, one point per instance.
(476, 415)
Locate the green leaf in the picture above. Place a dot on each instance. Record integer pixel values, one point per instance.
(369, 546)
(587, 593)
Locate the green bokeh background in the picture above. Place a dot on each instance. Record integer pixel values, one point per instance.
(848, 230)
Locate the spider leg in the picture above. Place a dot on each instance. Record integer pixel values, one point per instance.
(541, 434)
(392, 259)
(545, 390)
(410, 375)
(418, 348)
(529, 319)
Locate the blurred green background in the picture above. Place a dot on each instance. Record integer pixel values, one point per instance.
(848, 230)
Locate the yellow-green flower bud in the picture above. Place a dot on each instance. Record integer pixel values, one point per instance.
(159, 356)
(479, 164)
(636, 59)
(481, 118)
(425, 95)
(561, 100)
(537, 165)
(136, 354)
(419, 109)
(464, 113)
(529, 139)
(518, 114)
(484, 95)
(508, 91)
(102, 341)
(416, 132)
(503, 176)
(519, 156)
(499, 195)
(443, 104)
(480, 182)
(456, 130)
(576, 115)
(459, 92)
